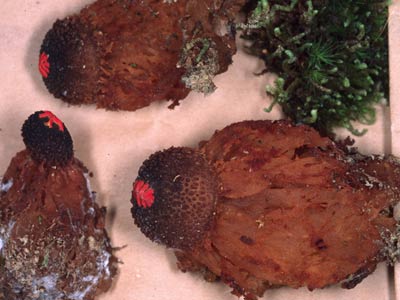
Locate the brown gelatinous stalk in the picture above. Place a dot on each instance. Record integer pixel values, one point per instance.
(293, 209)
(124, 55)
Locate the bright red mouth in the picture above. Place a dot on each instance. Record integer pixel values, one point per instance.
(44, 65)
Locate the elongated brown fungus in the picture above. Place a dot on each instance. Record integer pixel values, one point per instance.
(127, 54)
(53, 244)
(293, 208)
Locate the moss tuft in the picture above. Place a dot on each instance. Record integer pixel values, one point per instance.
(331, 58)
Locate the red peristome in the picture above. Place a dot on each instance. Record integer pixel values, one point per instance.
(52, 120)
(44, 65)
(143, 194)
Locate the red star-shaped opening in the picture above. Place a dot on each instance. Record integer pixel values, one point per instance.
(44, 65)
(52, 119)
(143, 194)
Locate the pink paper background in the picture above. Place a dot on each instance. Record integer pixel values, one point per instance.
(113, 145)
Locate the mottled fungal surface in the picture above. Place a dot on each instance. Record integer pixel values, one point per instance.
(123, 55)
(293, 209)
(53, 243)
(182, 188)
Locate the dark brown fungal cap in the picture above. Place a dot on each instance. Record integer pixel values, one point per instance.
(174, 197)
(47, 138)
(65, 58)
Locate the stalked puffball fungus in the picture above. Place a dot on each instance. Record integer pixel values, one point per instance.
(53, 243)
(124, 55)
(283, 207)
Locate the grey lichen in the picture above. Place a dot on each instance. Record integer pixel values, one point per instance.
(391, 245)
(200, 59)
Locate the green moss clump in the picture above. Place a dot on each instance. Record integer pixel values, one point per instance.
(331, 57)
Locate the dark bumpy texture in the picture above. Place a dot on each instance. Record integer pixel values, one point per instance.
(293, 209)
(72, 60)
(127, 54)
(52, 145)
(185, 189)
